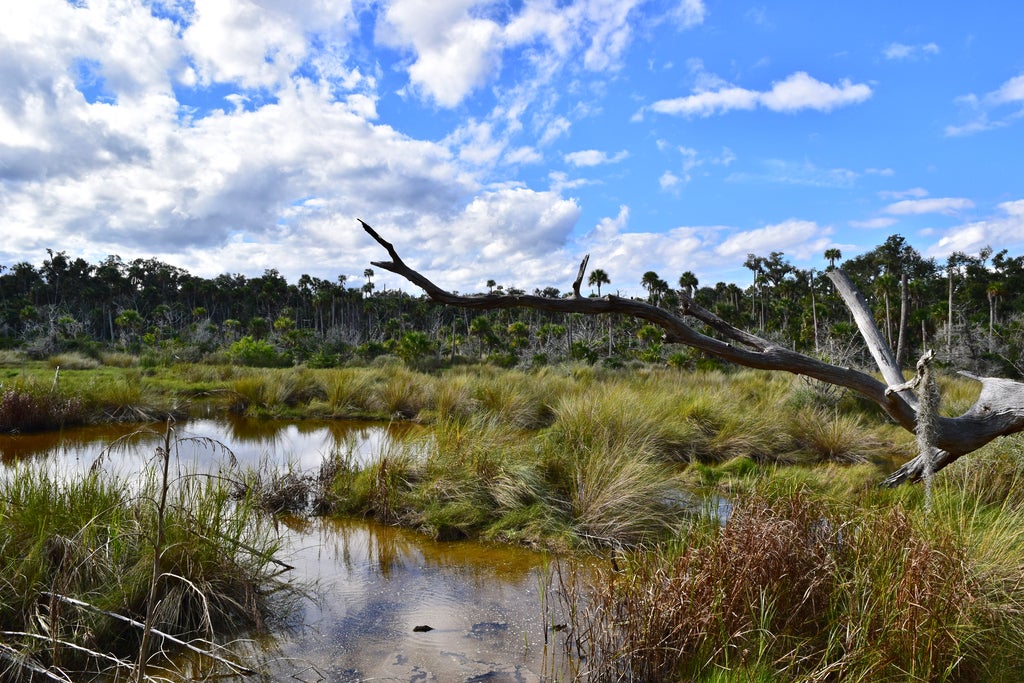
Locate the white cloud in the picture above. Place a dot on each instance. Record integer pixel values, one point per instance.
(593, 157)
(797, 238)
(708, 102)
(1005, 230)
(912, 193)
(983, 111)
(797, 92)
(457, 48)
(668, 180)
(802, 173)
(690, 13)
(897, 51)
(800, 91)
(1010, 91)
(523, 155)
(878, 223)
(554, 129)
(943, 205)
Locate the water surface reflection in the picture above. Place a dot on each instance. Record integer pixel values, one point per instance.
(370, 584)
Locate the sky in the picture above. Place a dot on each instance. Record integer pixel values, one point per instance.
(503, 140)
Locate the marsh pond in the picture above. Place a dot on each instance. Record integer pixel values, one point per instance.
(376, 602)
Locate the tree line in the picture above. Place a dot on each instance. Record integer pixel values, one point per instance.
(968, 308)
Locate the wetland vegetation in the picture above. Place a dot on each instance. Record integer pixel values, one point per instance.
(731, 519)
(800, 568)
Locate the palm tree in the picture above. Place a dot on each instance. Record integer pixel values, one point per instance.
(482, 328)
(833, 255)
(597, 278)
(688, 283)
(655, 286)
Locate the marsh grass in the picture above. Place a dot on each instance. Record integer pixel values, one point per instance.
(80, 553)
(117, 359)
(799, 587)
(822, 435)
(26, 405)
(73, 361)
(272, 391)
(11, 358)
(348, 392)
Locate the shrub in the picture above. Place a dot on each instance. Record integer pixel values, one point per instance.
(255, 353)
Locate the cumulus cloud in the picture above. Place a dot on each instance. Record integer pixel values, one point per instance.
(944, 205)
(1005, 229)
(668, 180)
(797, 92)
(457, 47)
(798, 238)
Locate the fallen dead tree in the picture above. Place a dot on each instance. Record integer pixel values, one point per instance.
(999, 410)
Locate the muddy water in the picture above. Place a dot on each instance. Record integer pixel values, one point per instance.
(376, 585)
(369, 585)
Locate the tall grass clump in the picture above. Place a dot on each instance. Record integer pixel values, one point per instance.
(404, 393)
(93, 566)
(73, 360)
(519, 399)
(621, 417)
(793, 587)
(27, 406)
(271, 391)
(348, 392)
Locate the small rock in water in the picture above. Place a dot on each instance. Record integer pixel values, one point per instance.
(422, 629)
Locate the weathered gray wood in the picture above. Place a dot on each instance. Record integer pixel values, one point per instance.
(999, 410)
(879, 349)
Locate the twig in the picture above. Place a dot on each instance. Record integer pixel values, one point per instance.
(73, 646)
(244, 670)
(11, 655)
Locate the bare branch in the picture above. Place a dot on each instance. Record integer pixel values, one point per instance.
(579, 276)
(999, 410)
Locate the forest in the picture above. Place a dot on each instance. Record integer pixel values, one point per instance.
(967, 308)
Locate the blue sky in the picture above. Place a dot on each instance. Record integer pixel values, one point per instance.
(503, 140)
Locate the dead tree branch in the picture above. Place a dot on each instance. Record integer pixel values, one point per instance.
(999, 410)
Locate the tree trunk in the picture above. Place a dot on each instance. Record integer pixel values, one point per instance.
(999, 410)
(901, 350)
(949, 320)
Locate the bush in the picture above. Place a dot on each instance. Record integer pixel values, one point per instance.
(255, 353)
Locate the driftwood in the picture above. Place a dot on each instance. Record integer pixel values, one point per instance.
(999, 410)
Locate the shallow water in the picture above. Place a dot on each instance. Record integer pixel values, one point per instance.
(370, 585)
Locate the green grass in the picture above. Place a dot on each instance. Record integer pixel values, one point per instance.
(92, 538)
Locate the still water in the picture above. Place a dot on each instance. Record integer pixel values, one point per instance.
(368, 585)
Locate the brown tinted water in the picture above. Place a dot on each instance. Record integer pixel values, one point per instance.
(369, 585)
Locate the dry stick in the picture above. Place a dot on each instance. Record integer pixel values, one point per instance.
(244, 670)
(14, 657)
(74, 646)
